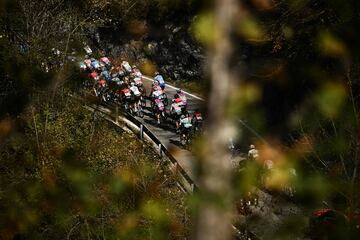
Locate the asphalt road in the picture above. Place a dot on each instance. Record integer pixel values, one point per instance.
(272, 211)
(166, 132)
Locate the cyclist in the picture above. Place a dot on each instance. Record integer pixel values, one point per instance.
(182, 95)
(121, 74)
(87, 62)
(253, 152)
(105, 74)
(126, 67)
(136, 72)
(82, 66)
(176, 111)
(126, 96)
(158, 78)
(105, 62)
(88, 50)
(156, 91)
(159, 110)
(101, 86)
(94, 75)
(185, 127)
(180, 102)
(138, 82)
(136, 94)
(197, 120)
(95, 64)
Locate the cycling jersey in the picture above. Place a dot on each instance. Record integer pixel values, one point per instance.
(176, 108)
(82, 66)
(156, 88)
(87, 62)
(117, 81)
(102, 83)
(94, 75)
(198, 117)
(160, 105)
(183, 98)
(106, 75)
(160, 79)
(88, 50)
(135, 90)
(137, 73)
(185, 122)
(95, 64)
(254, 153)
(105, 60)
(178, 101)
(126, 66)
(127, 93)
(138, 81)
(157, 94)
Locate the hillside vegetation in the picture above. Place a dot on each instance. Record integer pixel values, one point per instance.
(68, 174)
(291, 74)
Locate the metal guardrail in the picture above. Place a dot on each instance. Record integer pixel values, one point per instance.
(187, 183)
(144, 131)
(162, 150)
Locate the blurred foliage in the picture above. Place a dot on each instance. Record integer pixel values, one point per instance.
(63, 177)
(298, 99)
(67, 173)
(300, 92)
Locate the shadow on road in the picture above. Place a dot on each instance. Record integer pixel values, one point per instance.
(176, 143)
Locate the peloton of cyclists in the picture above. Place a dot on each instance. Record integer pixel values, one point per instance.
(136, 95)
(128, 80)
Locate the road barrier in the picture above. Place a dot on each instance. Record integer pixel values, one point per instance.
(111, 113)
(185, 179)
(186, 183)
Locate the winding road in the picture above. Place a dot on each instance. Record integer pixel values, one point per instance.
(264, 220)
(272, 211)
(166, 133)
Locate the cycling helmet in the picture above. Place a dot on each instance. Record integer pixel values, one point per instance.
(132, 84)
(178, 90)
(157, 73)
(182, 116)
(252, 146)
(134, 66)
(176, 96)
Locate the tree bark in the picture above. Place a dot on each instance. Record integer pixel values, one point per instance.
(215, 214)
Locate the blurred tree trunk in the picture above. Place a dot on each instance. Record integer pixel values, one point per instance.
(215, 213)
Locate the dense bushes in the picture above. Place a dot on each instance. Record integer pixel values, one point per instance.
(66, 173)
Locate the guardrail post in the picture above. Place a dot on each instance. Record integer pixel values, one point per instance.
(160, 150)
(141, 132)
(192, 187)
(117, 114)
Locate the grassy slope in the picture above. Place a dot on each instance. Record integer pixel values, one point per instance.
(66, 172)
